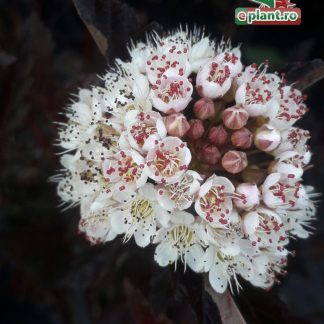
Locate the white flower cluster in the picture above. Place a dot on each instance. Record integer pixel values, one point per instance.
(185, 148)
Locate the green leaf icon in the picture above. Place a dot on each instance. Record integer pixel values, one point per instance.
(265, 3)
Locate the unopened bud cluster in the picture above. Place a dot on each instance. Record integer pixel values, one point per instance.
(184, 148)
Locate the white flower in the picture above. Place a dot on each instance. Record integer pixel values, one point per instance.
(290, 165)
(180, 194)
(222, 268)
(264, 228)
(84, 115)
(96, 222)
(181, 240)
(138, 215)
(168, 57)
(256, 96)
(125, 90)
(293, 139)
(267, 264)
(143, 161)
(289, 110)
(168, 160)
(215, 77)
(279, 195)
(172, 93)
(214, 201)
(250, 196)
(143, 129)
(81, 179)
(139, 55)
(125, 169)
(299, 222)
(200, 53)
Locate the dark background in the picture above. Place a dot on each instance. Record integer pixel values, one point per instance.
(48, 272)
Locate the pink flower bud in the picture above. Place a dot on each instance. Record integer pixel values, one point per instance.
(176, 124)
(209, 154)
(250, 196)
(196, 129)
(242, 138)
(217, 135)
(204, 108)
(234, 161)
(235, 117)
(267, 138)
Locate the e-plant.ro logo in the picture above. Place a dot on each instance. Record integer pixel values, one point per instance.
(270, 12)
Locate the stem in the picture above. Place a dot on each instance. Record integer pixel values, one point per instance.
(228, 310)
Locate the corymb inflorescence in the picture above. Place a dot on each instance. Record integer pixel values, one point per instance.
(185, 148)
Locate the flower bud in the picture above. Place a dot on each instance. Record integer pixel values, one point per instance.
(176, 124)
(267, 138)
(234, 161)
(196, 129)
(209, 154)
(242, 138)
(204, 108)
(250, 196)
(217, 135)
(235, 117)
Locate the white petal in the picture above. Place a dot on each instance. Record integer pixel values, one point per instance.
(182, 217)
(119, 222)
(165, 254)
(142, 237)
(217, 279)
(163, 216)
(250, 222)
(195, 257)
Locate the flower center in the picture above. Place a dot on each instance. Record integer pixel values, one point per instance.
(181, 235)
(257, 96)
(213, 199)
(142, 129)
(218, 74)
(296, 135)
(174, 90)
(128, 170)
(141, 209)
(167, 162)
(179, 191)
(288, 194)
(107, 135)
